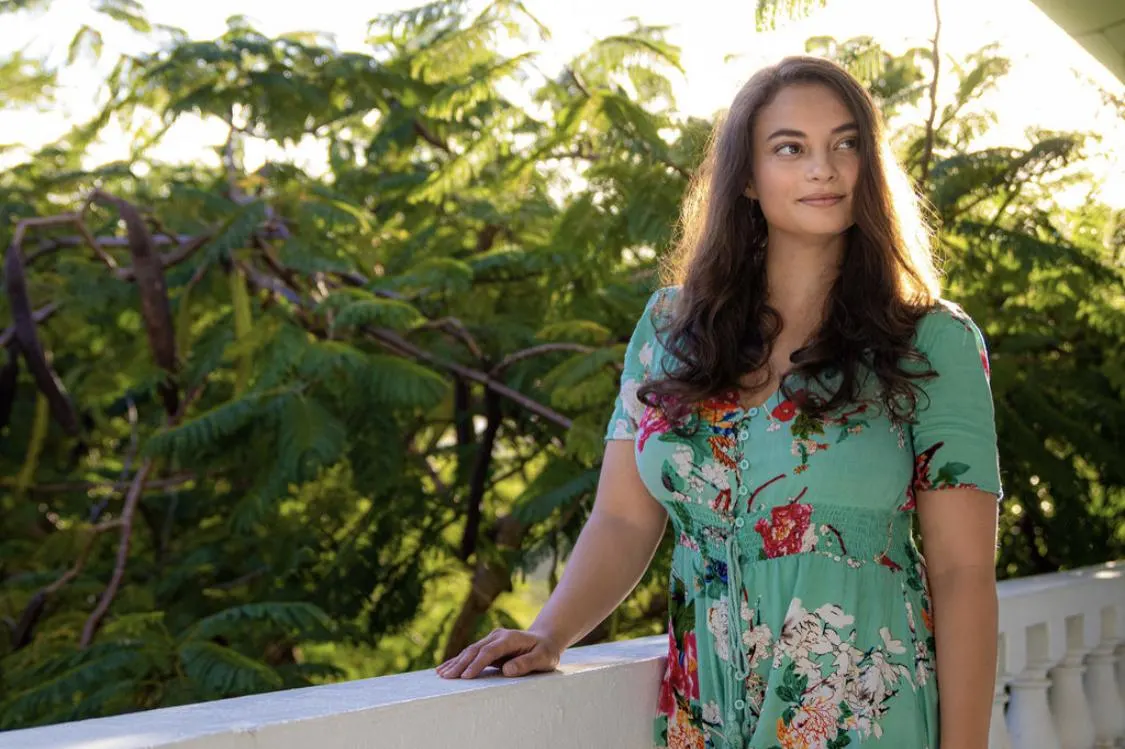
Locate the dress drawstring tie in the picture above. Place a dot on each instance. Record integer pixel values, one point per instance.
(740, 661)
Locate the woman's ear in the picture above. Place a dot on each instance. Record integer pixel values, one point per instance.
(750, 192)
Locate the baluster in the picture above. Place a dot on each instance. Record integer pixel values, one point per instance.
(1101, 683)
(1067, 696)
(1121, 668)
(998, 729)
(1029, 715)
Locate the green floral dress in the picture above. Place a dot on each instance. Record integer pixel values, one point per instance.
(799, 611)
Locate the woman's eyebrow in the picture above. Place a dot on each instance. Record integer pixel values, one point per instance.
(788, 133)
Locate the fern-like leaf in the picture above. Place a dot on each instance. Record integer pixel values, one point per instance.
(208, 428)
(219, 671)
(235, 231)
(295, 617)
(308, 436)
(556, 486)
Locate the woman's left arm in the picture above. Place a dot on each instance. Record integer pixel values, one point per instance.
(958, 527)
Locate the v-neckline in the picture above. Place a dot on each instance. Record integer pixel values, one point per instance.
(755, 406)
(774, 392)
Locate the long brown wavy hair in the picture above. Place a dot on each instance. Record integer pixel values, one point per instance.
(721, 328)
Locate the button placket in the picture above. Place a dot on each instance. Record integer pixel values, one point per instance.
(740, 662)
(739, 669)
(743, 434)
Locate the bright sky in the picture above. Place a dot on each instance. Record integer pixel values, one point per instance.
(1049, 85)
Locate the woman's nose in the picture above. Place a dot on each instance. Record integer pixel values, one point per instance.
(821, 169)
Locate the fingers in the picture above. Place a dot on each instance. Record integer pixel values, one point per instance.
(494, 649)
(539, 658)
(452, 668)
(455, 666)
(520, 666)
(491, 652)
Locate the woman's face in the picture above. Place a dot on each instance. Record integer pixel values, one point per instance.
(806, 162)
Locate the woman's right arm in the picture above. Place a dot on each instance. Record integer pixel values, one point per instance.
(613, 551)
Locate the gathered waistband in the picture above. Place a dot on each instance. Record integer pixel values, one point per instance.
(845, 532)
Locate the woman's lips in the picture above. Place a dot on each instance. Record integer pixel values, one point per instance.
(823, 201)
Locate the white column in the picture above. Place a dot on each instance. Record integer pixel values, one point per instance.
(1101, 683)
(1067, 695)
(998, 729)
(1029, 714)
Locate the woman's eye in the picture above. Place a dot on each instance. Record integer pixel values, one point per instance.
(850, 143)
(783, 149)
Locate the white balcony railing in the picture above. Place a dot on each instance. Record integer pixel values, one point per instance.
(1061, 686)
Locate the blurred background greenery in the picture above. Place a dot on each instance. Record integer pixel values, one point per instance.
(323, 397)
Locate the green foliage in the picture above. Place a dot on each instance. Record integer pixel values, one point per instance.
(25, 81)
(557, 486)
(119, 675)
(305, 518)
(769, 12)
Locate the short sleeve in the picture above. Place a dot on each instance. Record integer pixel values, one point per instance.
(627, 410)
(954, 433)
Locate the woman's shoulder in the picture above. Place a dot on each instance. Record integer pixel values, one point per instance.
(664, 297)
(660, 304)
(947, 327)
(944, 317)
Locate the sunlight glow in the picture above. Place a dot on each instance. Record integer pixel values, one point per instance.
(1052, 84)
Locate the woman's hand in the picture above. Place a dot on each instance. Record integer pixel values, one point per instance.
(515, 651)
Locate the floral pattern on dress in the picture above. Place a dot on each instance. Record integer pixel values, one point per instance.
(925, 644)
(926, 477)
(805, 428)
(831, 686)
(679, 712)
(789, 530)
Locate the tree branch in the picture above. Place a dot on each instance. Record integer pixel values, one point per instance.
(128, 512)
(77, 219)
(428, 135)
(545, 348)
(399, 345)
(40, 315)
(457, 328)
(391, 338)
(33, 612)
(928, 147)
(171, 482)
(1013, 192)
(187, 245)
(578, 81)
(478, 481)
(127, 464)
(187, 248)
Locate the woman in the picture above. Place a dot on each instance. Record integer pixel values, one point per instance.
(792, 403)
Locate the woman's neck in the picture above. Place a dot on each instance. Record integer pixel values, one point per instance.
(800, 272)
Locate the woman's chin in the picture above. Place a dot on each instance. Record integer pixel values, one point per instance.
(819, 231)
